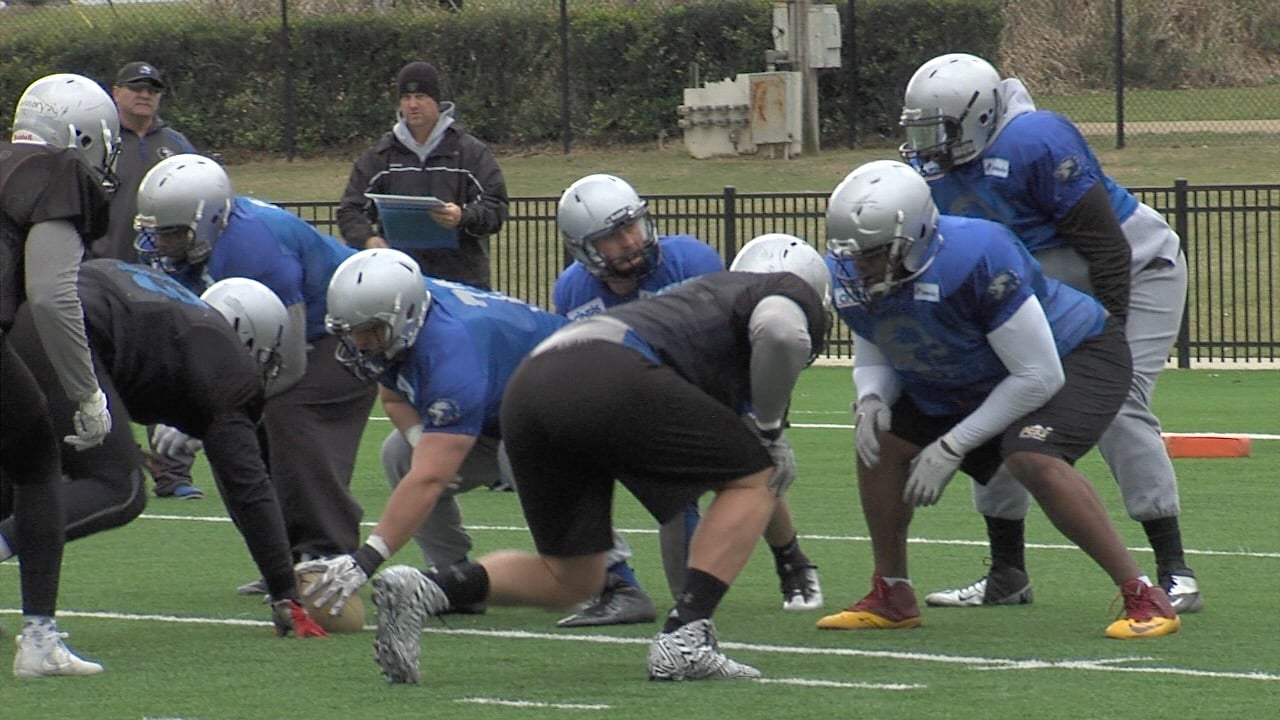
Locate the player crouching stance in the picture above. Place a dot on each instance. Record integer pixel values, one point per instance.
(966, 357)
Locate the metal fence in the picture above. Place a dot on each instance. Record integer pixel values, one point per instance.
(1231, 234)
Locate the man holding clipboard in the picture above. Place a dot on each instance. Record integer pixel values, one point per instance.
(427, 187)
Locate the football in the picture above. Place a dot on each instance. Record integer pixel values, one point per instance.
(350, 620)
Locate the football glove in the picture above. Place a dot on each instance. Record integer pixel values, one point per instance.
(784, 463)
(290, 618)
(91, 422)
(340, 577)
(931, 470)
(870, 416)
(172, 442)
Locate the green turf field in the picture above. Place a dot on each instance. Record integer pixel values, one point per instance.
(155, 602)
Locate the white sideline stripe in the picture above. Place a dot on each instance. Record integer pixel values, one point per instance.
(1242, 553)
(973, 661)
(532, 704)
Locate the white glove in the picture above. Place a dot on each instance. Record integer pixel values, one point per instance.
(340, 577)
(173, 442)
(931, 470)
(784, 463)
(870, 416)
(91, 422)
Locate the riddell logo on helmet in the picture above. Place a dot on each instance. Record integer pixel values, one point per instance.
(1035, 432)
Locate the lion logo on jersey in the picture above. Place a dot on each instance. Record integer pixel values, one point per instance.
(442, 412)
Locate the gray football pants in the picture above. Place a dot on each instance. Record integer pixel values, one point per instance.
(443, 537)
(1131, 446)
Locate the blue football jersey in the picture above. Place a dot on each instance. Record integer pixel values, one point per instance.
(580, 294)
(934, 330)
(466, 351)
(1032, 174)
(282, 251)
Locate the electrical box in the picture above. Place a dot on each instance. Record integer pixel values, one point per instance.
(751, 113)
(824, 35)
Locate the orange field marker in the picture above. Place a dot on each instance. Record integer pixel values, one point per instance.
(1204, 445)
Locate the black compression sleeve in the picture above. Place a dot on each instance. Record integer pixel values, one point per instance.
(1091, 229)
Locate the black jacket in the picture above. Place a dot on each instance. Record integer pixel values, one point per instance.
(460, 170)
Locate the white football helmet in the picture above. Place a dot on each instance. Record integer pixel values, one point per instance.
(258, 317)
(184, 203)
(596, 206)
(778, 252)
(66, 110)
(950, 111)
(881, 220)
(382, 290)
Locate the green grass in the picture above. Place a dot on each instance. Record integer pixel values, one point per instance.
(1243, 103)
(1228, 159)
(155, 602)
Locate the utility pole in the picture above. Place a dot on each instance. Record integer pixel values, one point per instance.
(809, 140)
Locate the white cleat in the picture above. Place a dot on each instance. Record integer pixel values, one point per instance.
(49, 657)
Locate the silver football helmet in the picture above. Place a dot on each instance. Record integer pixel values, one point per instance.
(881, 221)
(258, 317)
(950, 111)
(184, 203)
(66, 110)
(380, 290)
(778, 252)
(596, 206)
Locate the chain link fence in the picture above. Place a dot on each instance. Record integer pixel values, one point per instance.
(1163, 71)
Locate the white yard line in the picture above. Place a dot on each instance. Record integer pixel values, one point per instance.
(973, 662)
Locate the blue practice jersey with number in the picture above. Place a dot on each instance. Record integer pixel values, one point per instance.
(468, 348)
(279, 249)
(579, 294)
(933, 330)
(1029, 178)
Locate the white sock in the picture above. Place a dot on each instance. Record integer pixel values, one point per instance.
(891, 581)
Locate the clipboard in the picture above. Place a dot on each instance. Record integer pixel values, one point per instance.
(406, 221)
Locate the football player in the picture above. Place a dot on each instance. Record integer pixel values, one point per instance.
(988, 153)
(55, 178)
(169, 359)
(651, 393)
(194, 227)
(967, 357)
(619, 257)
(443, 353)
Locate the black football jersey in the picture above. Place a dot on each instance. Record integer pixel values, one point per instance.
(700, 327)
(39, 183)
(174, 359)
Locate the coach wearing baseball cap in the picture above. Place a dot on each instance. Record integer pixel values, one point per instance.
(145, 140)
(428, 153)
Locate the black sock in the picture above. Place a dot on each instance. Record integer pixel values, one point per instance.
(789, 557)
(1008, 542)
(702, 594)
(1165, 537)
(465, 583)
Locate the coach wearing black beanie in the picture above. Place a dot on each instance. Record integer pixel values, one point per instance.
(428, 153)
